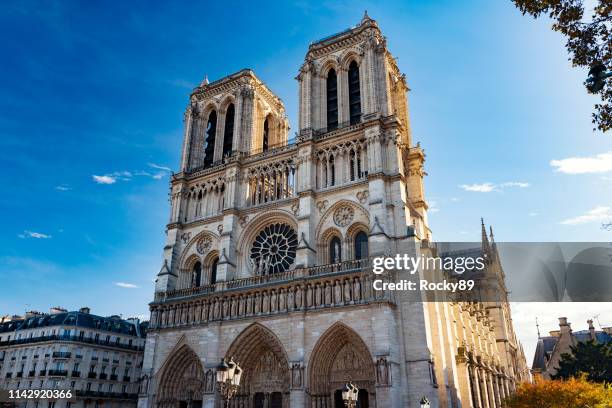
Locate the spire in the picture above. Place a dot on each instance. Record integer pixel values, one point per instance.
(485, 239)
(538, 328)
(366, 17)
(205, 81)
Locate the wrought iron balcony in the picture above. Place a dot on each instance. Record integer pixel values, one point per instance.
(32, 373)
(76, 374)
(19, 374)
(103, 376)
(91, 375)
(61, 354)
(58, 373)
(69, 338)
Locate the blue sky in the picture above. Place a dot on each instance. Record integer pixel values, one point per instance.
(99, 89)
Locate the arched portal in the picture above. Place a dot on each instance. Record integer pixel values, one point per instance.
(340, 356)
(265, 381)
(182, 381)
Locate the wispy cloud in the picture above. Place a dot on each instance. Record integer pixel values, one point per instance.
(533, 214)
(520, 184)
(63, 187)
(112, 178)
(599, 213)
(433, 207)
(160, 167)
(125, 285)
(480, 188)
(36, 235)
(489, 187)
(104, 179)
(601, 163)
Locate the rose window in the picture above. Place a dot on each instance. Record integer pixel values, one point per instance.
(274, 249)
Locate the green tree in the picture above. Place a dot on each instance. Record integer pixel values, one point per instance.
(588, 43)
(589, 358)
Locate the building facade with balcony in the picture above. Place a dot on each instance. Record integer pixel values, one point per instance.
(267, 258)
(98, 358)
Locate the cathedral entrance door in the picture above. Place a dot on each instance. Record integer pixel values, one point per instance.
(276, 400)
(338, 402)
(259, 400)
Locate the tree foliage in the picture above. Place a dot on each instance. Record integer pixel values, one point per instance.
(594, 360)
(588, 41)
(572, 393)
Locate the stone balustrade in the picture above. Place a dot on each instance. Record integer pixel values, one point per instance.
(301, 289)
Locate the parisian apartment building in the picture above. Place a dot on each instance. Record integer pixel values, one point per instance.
(98, 358)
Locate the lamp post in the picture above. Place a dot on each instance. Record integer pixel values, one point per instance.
(425, 402)
(349, 395)
(228, 379)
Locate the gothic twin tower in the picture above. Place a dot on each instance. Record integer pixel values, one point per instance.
(268, 248)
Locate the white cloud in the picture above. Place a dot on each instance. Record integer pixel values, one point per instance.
(63, 187)
(533, 214)
(520, 184)
(600, 163)
(455, 199)
(104, 179)
(599, 213)
(480, 188)
(32, 234)
(160, 167)
(112, 178)
(125, 285)
(488, 187)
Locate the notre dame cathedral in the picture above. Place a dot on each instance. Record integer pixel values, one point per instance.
(267, 258)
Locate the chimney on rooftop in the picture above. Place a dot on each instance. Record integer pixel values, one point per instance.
(85, 310)
(57, 310)
(592, 329)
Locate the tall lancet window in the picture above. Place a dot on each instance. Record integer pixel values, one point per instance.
(228, 133)
(209, 143)
(196, 275)
(332, 100)
(354, 93)
(266, 136)
(335, 250)
(361, 245)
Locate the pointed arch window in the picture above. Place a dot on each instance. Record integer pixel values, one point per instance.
(335, 250)
(209, 143)
(354, 93)
(361, 245)
(213, 271)
(196, 275)
(332, 100)
(228, 133)
(266, 136)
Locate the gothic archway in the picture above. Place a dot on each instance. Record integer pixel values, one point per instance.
(341, 355)
(182, 380)
(266, 368)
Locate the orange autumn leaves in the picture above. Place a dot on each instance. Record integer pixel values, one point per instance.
(572, 393)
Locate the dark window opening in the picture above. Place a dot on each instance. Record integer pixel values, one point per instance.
(361, 245)
(266, 132)
(332, 100)
(335, 250)
(196, 275)
(228, 133)
(213, 271)
(354, 93)
(209, 144)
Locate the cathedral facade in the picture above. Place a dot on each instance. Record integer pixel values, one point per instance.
(269, 243)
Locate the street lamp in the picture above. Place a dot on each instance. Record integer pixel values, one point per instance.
(349, 395)
(228, 379)
(425, 402)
